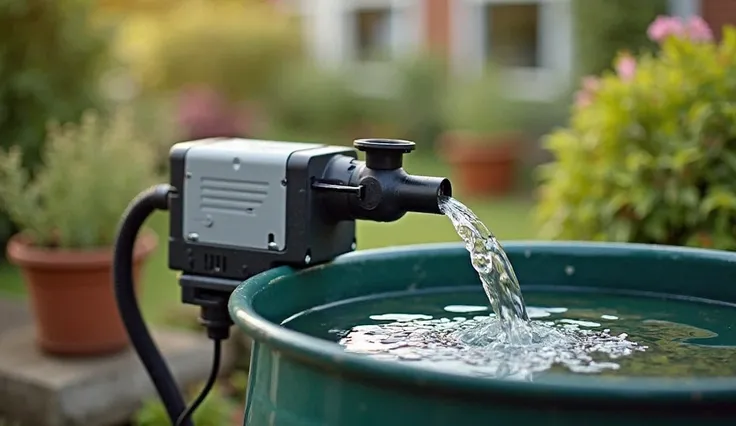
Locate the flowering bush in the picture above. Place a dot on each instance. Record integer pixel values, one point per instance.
(205, 113)
(601, 28)
(650, 152)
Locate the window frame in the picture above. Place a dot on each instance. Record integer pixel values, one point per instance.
(550, 79)
(405, 25)
(330, 31)
(557, 44)
(685, 8)
(330, 26)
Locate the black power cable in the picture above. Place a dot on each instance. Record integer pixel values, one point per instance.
(186, 415)
(148, 201)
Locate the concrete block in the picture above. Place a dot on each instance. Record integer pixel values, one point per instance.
(40, 390)
(13, 313)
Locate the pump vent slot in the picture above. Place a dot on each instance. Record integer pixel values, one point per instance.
(231, 196)
(215, 263)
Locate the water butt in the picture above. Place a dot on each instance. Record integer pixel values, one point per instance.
(405, 336)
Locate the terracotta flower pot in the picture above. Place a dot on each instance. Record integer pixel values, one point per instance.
(482, 164)
(72, 297)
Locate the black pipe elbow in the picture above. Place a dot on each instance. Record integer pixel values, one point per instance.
(379, 189)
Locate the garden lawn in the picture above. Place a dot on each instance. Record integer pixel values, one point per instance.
(507, 218)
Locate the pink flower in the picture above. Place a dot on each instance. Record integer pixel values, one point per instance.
(698, 29)
(204, 113)
(585, 96)
(591, 84)
(626, 67)
(695, 29)
(664, 27)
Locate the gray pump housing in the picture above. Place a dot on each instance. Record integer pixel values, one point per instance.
(242, 206)
(235, 192)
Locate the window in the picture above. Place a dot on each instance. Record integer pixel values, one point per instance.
(531, 40)
(373, 34)
(512, 34)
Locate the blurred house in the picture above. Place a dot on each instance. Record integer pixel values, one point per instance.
(716, 12)
(532, 39)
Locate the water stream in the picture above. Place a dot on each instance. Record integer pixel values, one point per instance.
(504, 344)
(514, 341)
(494, 269)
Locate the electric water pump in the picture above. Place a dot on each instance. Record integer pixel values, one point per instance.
(239, 207)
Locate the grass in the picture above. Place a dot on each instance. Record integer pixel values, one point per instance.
(508, 218)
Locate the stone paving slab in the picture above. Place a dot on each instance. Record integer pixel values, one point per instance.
(39, 390)
(13, 313)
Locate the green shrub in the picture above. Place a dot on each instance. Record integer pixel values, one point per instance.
(215, 410)
(417, 106)
(233, 47)
(314, 104)
(604, 27)
(650, 152)
(482, 106)
(90, 173)
(50, 61)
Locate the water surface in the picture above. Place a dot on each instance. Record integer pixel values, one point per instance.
(598, 334)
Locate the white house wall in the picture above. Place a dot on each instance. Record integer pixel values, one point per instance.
(329, 37)
(329, 27)
(555, 46)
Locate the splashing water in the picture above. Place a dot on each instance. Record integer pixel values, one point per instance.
(505, 344)
(494, 269)
(480, 347)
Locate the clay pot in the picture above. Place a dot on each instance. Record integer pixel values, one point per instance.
(482, 164)
(72, 297)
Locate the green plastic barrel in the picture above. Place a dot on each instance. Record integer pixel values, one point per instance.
(300, 380)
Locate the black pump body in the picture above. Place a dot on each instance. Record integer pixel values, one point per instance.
(240, 206)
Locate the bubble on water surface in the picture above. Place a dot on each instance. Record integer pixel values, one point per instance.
(482, 347)
(465, 308)
(400, 317)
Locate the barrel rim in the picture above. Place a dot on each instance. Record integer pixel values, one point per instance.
(330, 357)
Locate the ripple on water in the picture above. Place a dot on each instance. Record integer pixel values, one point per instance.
(481, 346)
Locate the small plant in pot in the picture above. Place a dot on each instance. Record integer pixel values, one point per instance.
(67, 213)
(483, 137)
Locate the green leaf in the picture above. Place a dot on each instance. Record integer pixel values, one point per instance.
(719, 198)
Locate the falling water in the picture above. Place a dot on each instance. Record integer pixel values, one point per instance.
(494, 269)
(513, 342)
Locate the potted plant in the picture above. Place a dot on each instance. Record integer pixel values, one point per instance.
(483, 137)
(68, 214)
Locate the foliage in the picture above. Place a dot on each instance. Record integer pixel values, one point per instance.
(422, 87)
(650, 152)
(604, 27)
(312, 102)
(481, 106)
(51, 58)
(90, 173)
(184, 317)
(232, 47)
(155, 118)
(215, 410)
